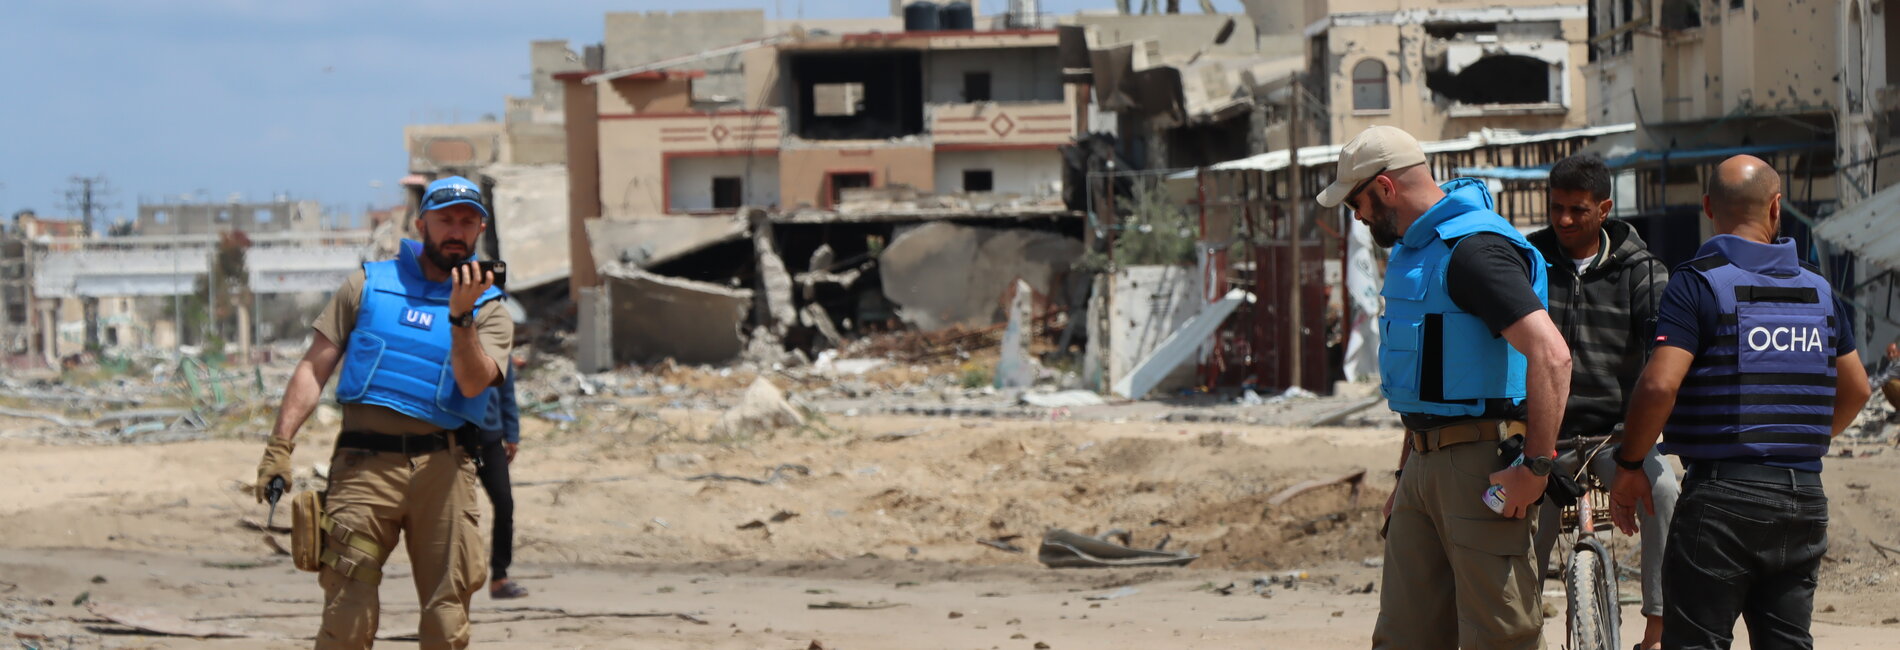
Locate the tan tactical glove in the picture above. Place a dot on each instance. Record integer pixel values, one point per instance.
(276, 464)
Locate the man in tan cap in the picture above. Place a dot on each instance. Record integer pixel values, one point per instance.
(1472, 363)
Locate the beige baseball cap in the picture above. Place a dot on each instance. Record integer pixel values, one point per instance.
(1375, 150)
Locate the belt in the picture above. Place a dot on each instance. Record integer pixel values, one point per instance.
(1430, 440)
(414, 445)
(1704, 470)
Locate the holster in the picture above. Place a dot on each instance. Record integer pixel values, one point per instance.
(312, 531)
(469, 438)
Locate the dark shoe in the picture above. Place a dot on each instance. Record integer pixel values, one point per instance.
(507, 590)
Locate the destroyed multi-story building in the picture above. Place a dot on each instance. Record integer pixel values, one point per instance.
(813, 144)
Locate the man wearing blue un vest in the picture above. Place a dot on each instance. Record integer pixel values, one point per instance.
(1754, 370)
(419, 343)
(1477, 371)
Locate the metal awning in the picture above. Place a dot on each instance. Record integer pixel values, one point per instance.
(1647, 158)
(1871, 229)
(1327, 154)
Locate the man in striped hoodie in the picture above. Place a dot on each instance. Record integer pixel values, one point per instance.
(1604, 285)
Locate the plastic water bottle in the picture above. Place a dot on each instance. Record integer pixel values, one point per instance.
(1494, 495)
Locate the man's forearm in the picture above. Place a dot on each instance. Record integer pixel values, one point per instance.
(1650, 407)
(474, 370)
(300, 398)
(1549, 383)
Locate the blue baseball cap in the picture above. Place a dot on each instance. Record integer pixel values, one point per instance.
(453, 190)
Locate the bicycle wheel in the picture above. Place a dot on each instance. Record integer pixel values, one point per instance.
(1589, 580)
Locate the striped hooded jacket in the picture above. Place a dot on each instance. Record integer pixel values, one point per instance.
(1607, 314)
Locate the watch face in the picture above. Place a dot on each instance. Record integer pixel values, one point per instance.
(1541, 465)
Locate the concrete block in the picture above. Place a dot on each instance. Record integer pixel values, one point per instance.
(657, 317)
(942, 274)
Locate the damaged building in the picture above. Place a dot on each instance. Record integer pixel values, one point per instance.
(1440, 70)
(827, 195)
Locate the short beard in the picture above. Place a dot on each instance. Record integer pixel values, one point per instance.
(1383, 232)
(433, 251)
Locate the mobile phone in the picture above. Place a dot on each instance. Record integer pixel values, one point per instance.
(497, 267)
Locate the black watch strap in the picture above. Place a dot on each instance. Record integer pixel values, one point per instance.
(1636, 466)
(464, 320)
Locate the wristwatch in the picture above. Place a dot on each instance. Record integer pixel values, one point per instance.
(1540, 465)
(464, 320)
(1634, 466)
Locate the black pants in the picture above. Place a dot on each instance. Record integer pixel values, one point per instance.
(1743, 548)
(494, 473)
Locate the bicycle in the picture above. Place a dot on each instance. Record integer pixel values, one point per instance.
(1593, 615)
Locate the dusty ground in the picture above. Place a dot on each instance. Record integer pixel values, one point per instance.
(609, 524)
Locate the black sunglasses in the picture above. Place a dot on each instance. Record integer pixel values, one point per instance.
(448, 194)
(1361, 187)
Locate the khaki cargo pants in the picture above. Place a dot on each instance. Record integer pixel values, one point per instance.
(1457, 574)
(427, 501)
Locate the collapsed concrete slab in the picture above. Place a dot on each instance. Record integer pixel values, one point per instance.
(653, 317)
(942, 274)
(645, 243)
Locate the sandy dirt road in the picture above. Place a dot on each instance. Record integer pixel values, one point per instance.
(889, 513)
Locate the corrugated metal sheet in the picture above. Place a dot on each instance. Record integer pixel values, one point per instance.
(1870, 228)
(1326, 154)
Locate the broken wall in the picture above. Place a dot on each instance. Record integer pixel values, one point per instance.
(943, 274)
(655, 317)
(1145, 305)
(582, 123)
(1178, 35)
(531, 222)
(1026, 172)
(440, 146)
(632, 39)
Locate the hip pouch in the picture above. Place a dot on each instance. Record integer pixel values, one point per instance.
(306, 530)
(311, 529)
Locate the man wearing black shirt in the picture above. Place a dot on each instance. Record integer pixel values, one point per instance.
(1468, 357)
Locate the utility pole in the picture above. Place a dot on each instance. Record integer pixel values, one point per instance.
(1296, 195)
(87, 196)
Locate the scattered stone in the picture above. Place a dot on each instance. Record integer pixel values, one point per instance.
(956, 615)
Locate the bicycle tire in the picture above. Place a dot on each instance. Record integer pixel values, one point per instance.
(1593, 618)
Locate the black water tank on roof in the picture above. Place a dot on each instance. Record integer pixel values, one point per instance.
(921, 17)
(958, 16)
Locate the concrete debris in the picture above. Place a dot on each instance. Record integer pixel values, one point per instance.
(647, 243)
(942, 274)
(655, 317)
(763, 409)
(1064, 549)
(1064, 399)
(815, 317)
(830, 365)
(1015, 369)
(775, 282)
(1179, 346)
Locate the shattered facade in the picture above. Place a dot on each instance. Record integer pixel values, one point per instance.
(1440, 70)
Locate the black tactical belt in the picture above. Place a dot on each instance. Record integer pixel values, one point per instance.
(414, 445)
(1703, 470)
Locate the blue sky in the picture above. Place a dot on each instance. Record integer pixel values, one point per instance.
(261, 97)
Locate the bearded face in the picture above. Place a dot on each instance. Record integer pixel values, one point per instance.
(1382, 220)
